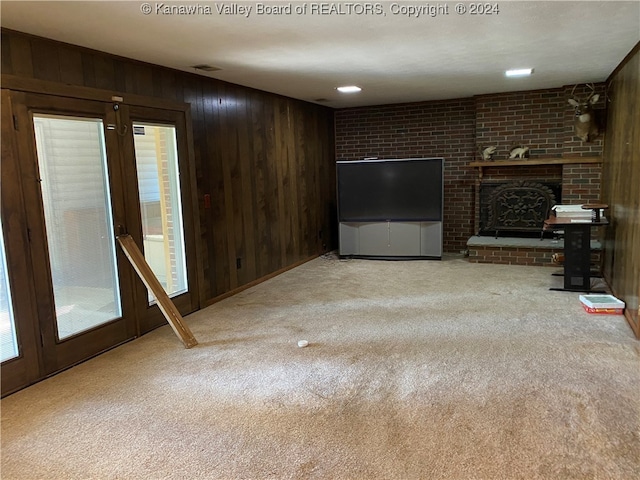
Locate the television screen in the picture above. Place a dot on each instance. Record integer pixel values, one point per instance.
(390, 190)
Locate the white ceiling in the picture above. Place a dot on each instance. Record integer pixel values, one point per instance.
(393, 57)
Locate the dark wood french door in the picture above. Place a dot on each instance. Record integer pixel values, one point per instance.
(76, 173)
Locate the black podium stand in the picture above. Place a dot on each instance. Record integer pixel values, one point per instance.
(577, 250)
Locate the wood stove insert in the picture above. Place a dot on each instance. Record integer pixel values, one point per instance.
(516, 208)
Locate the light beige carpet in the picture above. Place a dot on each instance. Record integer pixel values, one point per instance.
(414, 370)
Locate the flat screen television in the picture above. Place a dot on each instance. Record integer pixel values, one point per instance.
(407, 190)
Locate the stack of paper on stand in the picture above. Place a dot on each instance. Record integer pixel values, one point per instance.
(574, 211)
(607, 304)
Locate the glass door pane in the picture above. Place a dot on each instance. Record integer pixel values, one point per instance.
(79, 227)
(160, 205)
(8, 337)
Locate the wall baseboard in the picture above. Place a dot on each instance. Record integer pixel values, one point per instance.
(253, 283)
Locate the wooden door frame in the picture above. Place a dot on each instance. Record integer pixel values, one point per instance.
(19, 373)
(21, 84)
(151, 317)
(25, 369)
(59, 354)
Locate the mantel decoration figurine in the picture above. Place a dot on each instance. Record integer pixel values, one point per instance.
(519, 152)
(487, 153)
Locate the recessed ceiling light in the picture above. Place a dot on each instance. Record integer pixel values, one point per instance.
(521, 72)
(349, 89)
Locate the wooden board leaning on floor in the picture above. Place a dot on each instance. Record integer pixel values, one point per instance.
(167, 307)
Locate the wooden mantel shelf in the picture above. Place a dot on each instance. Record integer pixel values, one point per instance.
(532, 161)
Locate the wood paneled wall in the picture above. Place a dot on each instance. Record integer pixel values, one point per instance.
(266, 161)
(621, 185)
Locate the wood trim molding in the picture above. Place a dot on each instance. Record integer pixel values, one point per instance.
(633, 321)
(537, 161)
(231, 293)
(23, 84)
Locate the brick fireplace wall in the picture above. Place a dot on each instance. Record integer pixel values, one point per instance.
(458, 129)
(427, 129)
(543, 121)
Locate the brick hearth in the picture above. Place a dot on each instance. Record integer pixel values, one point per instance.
(520, 251)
